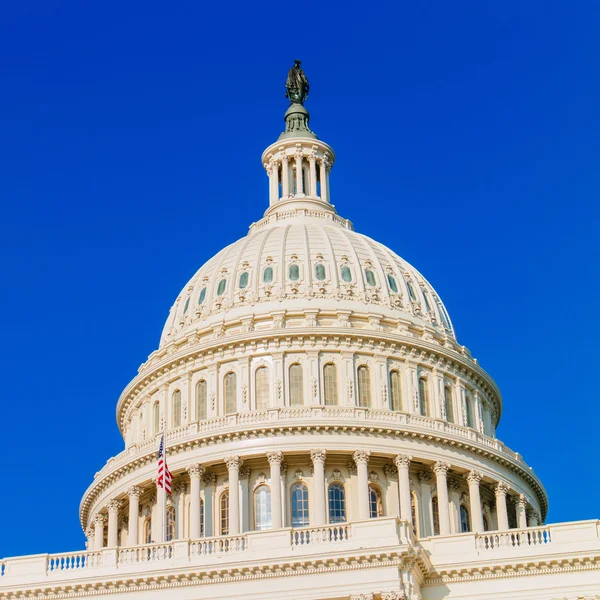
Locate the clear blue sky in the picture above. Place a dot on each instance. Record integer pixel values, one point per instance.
(467, 138)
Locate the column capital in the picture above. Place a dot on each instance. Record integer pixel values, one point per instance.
(391, 472)
(402, 460)
(210, 479)
(361, 457)
(113, 505)
(501, 489)
(244, 473)
(474, 477)
(90, 533)
(363, 597)
(134, 490)
(195, 470)
(233, 462)
(522, 501)
(424, 476)
(453, 484)
(275, 457)
(318, 455)
(179, 488)
(441, 468)
(532, 514)
(99, 519)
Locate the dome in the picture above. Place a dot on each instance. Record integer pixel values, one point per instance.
(301, 263)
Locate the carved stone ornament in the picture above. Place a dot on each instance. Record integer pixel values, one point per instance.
(134, 490)
(210, 479)
(275, 457)
(99, 519)
(179, 488)
(474, 477)
(425, 477)
(441, 468)
(361, 457)
(233, 462)
(351, 466)
(501, 489)
(318, 455)
(453, 484)
(363, 597)
(261, 479)
(336, 475)
(195, 470)
(113, 505)
(244, 473)
(373, 477)
(391, 472)
(402, 461)
(298, 475)
(393, 596)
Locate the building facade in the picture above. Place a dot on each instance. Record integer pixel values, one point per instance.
(328, 436)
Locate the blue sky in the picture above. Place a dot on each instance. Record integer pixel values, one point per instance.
(467, 139)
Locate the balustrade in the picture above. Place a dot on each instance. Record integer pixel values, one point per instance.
(514, 538)
(74, 560)
(219, 545)
(145, 553)
(321, 535)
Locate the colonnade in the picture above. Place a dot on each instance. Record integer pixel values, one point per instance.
(202, 481)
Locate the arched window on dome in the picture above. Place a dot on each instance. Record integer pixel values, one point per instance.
(299, 500)
(336, 494)
(155, 417)
(262, 508)
(448, 404)
(296, 385)
(224, 513)
(268, 275)
(346, 273)
(201, 400)
(364, 386)
(243, 283)
(320, 272)
(392, 283)
(435, 510)
(414, 512)
(176, 406)
(147, 531)
(202, 295)
(294, 272)
(469, 410)
(465, 522)
(330, 392)
(427, 305)
(230, 393)
(411, 291)
(370, 277)
(261, 388)
(375, 502)
(221, 287)
(186, 306)
(395, 391)
(171, 524)
(423, 397)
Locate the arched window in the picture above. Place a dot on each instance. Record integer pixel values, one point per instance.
(330, 384)
(364, 386)
(299, 494)
(156, 417)
(346, 274)
(294, 272)
(392, 283)
(427, 306)
(202, 296)
(469, 410)
(224, 513)
(176, 418)
(296, 385)
(395, 391)
(244, 280)
(187, 305)
(170, 524)
(337, 503)
(230, 393)
(148, 531)
(262, 508)
(261, 388)
(448, 404)
(370, 276)
(411, 291)
(320, 272)
(413, 513)
(201, 399)
(268, 275)
(435, 509)
(221, 287)
(465, 523)
(375, 502)
(423, 397)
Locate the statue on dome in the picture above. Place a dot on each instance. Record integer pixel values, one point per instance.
(296, 86)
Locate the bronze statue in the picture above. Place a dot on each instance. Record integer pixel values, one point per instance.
(296, 86)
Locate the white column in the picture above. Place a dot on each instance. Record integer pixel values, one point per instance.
(403, 464)
(454, 491)
(425, 481)
(159, 533)
(195, 473)
(91, 540)
(441, 469)
(312, 161)
(361, 458)
(275, 459)
(323, 175)
(299, 182)
(99, 521)
(285, 177)
(318, 459)
(210, 481)
(245, 499)
(134, 494)
(113, 523)
(501, 490)
(532, 518)
(179, 490)
(393, 500)
(521, 505)
(233, 466)
(473, 479)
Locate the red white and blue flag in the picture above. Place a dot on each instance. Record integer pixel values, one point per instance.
(164, 475)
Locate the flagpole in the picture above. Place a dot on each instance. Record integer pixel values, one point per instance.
(164, 492)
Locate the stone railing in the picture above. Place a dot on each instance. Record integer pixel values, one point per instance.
(325, 414)
(339, 532)
(74, 560)
(535, 536)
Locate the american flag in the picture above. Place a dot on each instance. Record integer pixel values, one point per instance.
(164, 475)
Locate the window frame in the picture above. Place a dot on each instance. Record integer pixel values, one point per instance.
(343, 510)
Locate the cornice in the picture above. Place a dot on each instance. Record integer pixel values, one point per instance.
(253, 430)
(375, 342)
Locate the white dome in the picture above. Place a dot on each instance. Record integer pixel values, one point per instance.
(305, 260)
